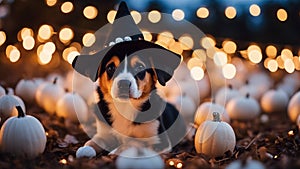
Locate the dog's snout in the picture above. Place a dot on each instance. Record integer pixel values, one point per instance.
(124, 84)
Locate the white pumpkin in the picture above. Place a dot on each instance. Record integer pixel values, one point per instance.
(249, 164)
(60, 80)
(243, 108)
(186, 106)
(22, 135)
(274, 101)
(26, 90)
(8, 104)
(294, 107)
(288, 88)
(214, 137)
(139, 158)
(203, 87)
(2, 91)
(72, 106)
(205, 112)
(252, 90)
(225, 94)
(48, 94)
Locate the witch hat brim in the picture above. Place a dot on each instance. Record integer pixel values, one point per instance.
(124, 32)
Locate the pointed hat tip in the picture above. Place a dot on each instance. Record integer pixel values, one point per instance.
(122, 10)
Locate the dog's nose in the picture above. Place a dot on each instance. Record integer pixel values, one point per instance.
(124, 84)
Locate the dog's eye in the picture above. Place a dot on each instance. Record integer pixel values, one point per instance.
(110, 69)
(139, 68)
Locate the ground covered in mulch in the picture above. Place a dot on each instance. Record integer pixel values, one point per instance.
(276, 143)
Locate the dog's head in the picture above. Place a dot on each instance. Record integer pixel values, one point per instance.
(130, 71)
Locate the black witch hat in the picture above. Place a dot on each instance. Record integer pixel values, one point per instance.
(125, 33)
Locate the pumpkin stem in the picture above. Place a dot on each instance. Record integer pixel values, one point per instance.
(6, 90)
(246, 82)
(55, 80)
(247, 95)
(20, 111)
(230, 86)
(216, 117)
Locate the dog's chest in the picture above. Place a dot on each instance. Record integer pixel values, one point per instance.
(123, 116)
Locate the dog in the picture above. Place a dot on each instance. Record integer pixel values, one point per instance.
(130, 109)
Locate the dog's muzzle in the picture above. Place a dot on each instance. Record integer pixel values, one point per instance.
(124, 89)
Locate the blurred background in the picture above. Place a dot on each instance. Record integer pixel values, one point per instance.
(38, 37)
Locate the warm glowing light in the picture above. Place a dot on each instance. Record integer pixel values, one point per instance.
(67, 7)
(286, 54)
(171, 163)
(147, 35)
(176, 47)
(230, 12)
(272, 65)
(203, 12)
(229, 47)
(9, 48)
(88, 39)
(291, 133)
(51, 2)
(220, 58)
(14, 55)
(296, 61)
(71, 56)
(271, 51)
(280, 62)
(282, 15)
(165, 37)
(137, 17)
(255, 56)
(179, 165)
(90, 12)
(111, 16)
(154, 16)
(266, 61)
(67, 51)
(44, 57)
(207, 42)
(197, 73)
(26, 32)
(66, 34)
(229, 71)
(210, 52)
(63, 161)
(200, 54)
(194, 62)
(46, 133)
(254, 10)
(253, 47)
(186, 42)
(2, 37)
(178, 15)
(49, 47)
(289, 65)
(45, 32)
(28, 42)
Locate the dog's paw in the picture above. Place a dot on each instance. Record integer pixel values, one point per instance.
(86, 151)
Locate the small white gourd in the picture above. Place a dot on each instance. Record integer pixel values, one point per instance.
(275, 101)
(294, 107)
(48, 94)
(8, 105)
(22, 135)
(243, 108)
(248, 164)
(251, 90)
(205, 111)
(214, 137)
(139, 158)
(72, 106)
(26, 90)
(225, 94)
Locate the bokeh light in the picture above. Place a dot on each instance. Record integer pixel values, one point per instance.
(202, 12)
(111, 16)
(229, 71)
(229, 47)
(286, 54)
(282, 15)
(45, 32)
(71, 56)
(230, 12)
(90, 12)
(193, 62)
(178, 15)
(137, 17)
(28, 43)
(51, 2)
(49, 47)
(176, 47)
(154, 16)
(289, 65)
(88, 39)
(280, 62)
(25, 32)
(200, 54)
(67, 7)
(254, 10)
(255, 56)
(66, 34)
(207, 42)
(147, 35)
(197, 73)
(2, 37)
(14, 55)
(44, 58)
(272, 65)
(186, 41)
(271, 51)
(220, 58)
